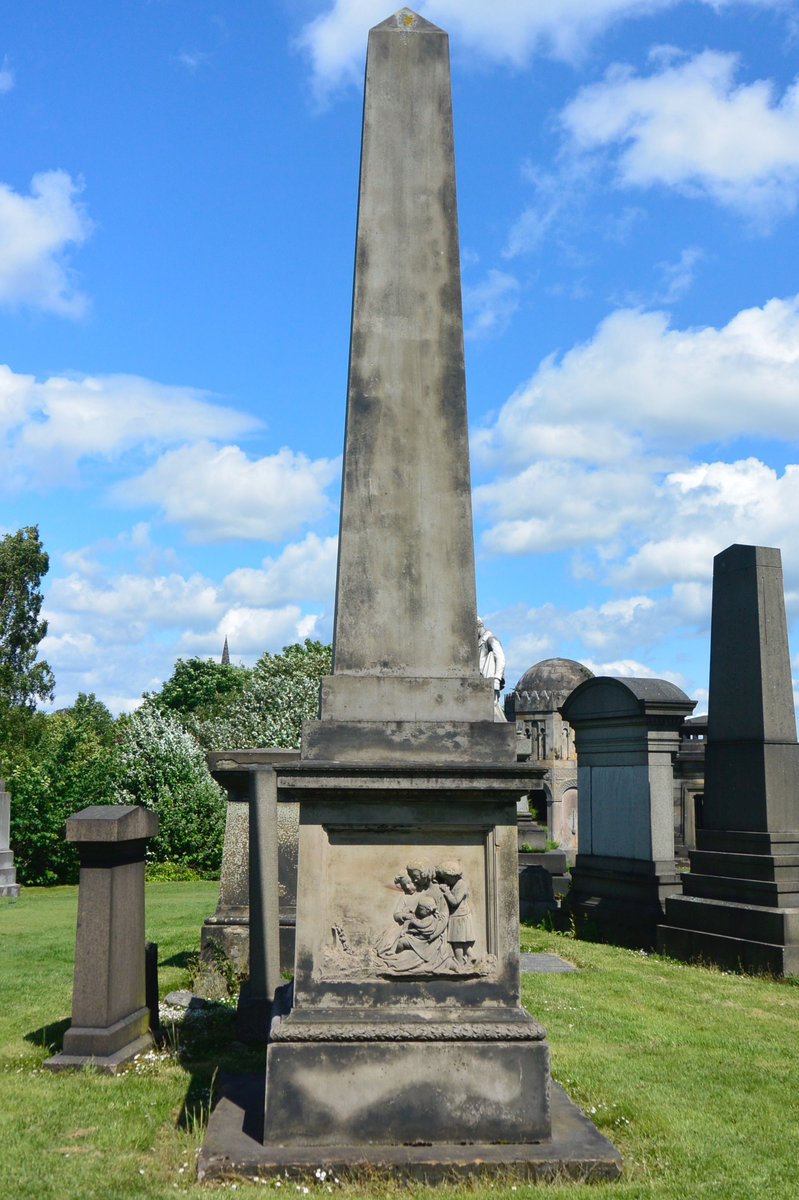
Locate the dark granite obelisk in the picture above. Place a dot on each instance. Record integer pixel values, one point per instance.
(740, 902)
(405, 1027)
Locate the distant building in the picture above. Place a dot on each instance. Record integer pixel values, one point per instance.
(544, 738)
(225, 655)
(689, 784)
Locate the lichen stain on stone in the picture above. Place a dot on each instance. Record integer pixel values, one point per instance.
(409, 19)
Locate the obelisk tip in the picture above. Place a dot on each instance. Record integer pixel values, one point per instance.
(407, 21)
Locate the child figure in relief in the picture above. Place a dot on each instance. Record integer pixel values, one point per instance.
(455, 890)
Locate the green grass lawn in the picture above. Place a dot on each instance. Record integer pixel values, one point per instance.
(692, 1073)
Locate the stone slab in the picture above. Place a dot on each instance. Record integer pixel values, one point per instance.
(104, 1041)
(111, 823)
(544, 964)
(710, 915)
(232, 1149)
(9, 890)
(734, 954)
(107, 1064)
(357, 1093)
(391, 741)
(400, 697)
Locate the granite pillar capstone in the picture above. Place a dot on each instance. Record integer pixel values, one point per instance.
(8, 872)
(627, 732)
(740, 902)
(405, 1024)
(110, 1017)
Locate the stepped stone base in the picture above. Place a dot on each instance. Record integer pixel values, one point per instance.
(232, 1148)
(8, 874)
(740, 903)
(620, 900)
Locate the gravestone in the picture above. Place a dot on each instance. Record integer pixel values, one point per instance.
(8, 872)
(110, 1017)
(627, 732)
(405, 1025)
(740, 902)
(226, 934)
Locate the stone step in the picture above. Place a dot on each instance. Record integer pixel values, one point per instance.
(733, 953)
(760, 923)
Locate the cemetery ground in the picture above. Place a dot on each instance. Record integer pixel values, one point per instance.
(692, 1073)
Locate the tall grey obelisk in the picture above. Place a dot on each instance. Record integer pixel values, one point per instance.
(405, 1027)
(740, 901)
(405, 671)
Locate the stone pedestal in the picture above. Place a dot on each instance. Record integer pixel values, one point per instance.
(226, 935)
(740, 902)
(387, 1021)
(110, 1017)
(8, 873)
(627, 731)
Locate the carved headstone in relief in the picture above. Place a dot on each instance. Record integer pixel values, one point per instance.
(432, 931)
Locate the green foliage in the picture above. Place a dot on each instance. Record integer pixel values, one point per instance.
(169, 872)
(199, 686)
(163, 768)
(280, 692)
(23, 562)
(67, 761)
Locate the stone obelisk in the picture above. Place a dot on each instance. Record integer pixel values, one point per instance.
(740, 902)
(405, 1028)
(405, 671)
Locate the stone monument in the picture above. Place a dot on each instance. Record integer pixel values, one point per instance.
(627, 732)
(8, 872)
(405, 1040)
(110, 1017)
(226, 934)
(740, 902)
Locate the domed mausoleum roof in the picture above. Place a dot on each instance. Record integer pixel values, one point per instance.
(547, 684)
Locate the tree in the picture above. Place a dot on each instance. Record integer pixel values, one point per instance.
(199, 686)
(280, 692)
(163, 768)
(23, 562)
(69, 761)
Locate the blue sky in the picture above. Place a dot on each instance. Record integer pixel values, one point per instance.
(178, 190)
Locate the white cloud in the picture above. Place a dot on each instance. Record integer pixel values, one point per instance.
(638, 376)
(47, 427)
(134, 602)
(690, 126)
(218, 492)
(118, 633)
(249, 631)
(489, 305)
(7, 79)
(35, 233)
(678, 277)
(306, 568)
(507, 31)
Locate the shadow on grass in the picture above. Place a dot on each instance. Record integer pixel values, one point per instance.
(206, 1046)
(49, 1037)
(184, 958)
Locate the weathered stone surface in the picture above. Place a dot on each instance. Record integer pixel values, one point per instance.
(404, 1092)
(740, 906)
(405, 603)
(576, 1150)
(406, 1023)
(536, 893)
(626, 731)
(269, 867)
(8, 873)
(110, 1017)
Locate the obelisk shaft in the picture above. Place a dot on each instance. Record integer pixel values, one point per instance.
(752, 759)
(405, 600)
